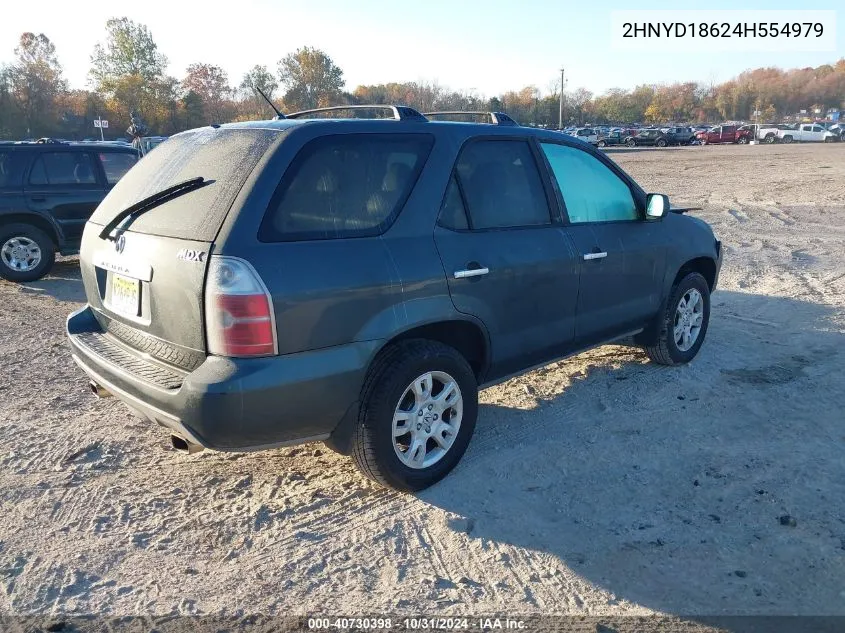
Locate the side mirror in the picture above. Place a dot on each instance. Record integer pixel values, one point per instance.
(657, 206)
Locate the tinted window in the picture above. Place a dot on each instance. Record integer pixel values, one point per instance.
(817, 128)
(502, 185)
(11, 168)
(224, 156)
(591, 191)
(345, 185)
(63, 168)
(727, 129)
(116, 164)
(453, 214)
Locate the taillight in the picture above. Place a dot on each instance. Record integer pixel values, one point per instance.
(238, 310)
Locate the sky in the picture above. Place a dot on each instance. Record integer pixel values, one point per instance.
(485, 46)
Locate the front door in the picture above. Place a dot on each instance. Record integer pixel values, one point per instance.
(65, 184)
(622, 255)
(507, 262)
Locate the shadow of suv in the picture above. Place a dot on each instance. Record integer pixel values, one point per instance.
(48, 190)
(355, 281)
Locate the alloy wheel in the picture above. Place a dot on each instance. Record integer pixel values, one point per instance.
(21, 253)
(689, 317)
(427, 419)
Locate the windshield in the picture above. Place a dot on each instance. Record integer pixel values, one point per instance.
(223, 156)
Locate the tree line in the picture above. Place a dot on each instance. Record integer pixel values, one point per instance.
(129, 74)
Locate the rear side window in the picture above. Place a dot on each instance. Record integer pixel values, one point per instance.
(502, 185)
(224, 156)
(63, 168)
(345, 186)
(116, 164)
(453, 215)
(11, 168)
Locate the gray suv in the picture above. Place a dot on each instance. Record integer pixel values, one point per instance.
(356, 280)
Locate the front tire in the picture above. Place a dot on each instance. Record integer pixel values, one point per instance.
(631, 142)
(602, 144)
(742, 140)
(684, 323)
(787, 139)
(418, 411)
(26, 252)
(661, 143)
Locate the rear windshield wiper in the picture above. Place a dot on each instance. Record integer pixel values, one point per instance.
(152, 201)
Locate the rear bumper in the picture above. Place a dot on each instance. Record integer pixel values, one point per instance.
(228, 404)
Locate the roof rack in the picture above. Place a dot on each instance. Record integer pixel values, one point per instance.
(400, 113)
(496, 118)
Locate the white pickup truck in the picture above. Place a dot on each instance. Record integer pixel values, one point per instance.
(765, 132)
(807, 132)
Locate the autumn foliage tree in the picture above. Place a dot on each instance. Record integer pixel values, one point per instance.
(129, 72)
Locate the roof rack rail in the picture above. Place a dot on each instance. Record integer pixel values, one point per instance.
(496, 118)
(400, 113)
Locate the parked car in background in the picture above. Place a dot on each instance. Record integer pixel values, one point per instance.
(588, 135)
(808, 133)
(724, 134)
(765, 132)
(298, 280)
(47, 193)
(149, 143)
(650, 137)
(680, 135)
(615, 137)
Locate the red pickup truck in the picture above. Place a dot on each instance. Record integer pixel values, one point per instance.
(723, 134)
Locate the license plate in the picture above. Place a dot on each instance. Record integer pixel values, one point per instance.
(125, 295)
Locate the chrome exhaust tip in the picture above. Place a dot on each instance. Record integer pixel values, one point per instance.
(184, 446)
(98, 390)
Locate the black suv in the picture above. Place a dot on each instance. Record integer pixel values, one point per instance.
(355, 281)
(48, 189)
(650, 137)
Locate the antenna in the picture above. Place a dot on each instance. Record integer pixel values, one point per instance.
(278, 112)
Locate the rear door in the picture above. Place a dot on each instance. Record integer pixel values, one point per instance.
(622, 256)
(66, 184)
(506, 259)
(146, 284)
(727, 134)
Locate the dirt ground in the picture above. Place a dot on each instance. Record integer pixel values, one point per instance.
(601, 484)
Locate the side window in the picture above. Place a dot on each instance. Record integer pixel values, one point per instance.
(453, 215)
(116, 164)
(591, 191)
(345, 185)
(11, 168)
(63, 168)
(817, 128)
(502, 185)
(728, 129)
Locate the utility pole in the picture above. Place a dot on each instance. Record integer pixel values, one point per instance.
(560, 115)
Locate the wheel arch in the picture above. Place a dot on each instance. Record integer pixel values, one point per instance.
(465, 334)
(36, 220)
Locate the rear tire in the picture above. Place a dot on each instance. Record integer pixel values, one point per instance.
(389, 394)
(602, 144)
(26, 252)
(671, 347)
(661, 143)
(743, 140)
(787, 139)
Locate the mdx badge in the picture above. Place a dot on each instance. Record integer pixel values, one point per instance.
(188, 255)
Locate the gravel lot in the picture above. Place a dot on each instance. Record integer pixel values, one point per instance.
(601, 484)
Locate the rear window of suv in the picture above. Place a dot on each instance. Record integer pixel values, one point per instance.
(349, 185)
(225, 157)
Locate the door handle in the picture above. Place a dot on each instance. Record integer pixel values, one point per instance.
(589, 256)
(471, 272)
